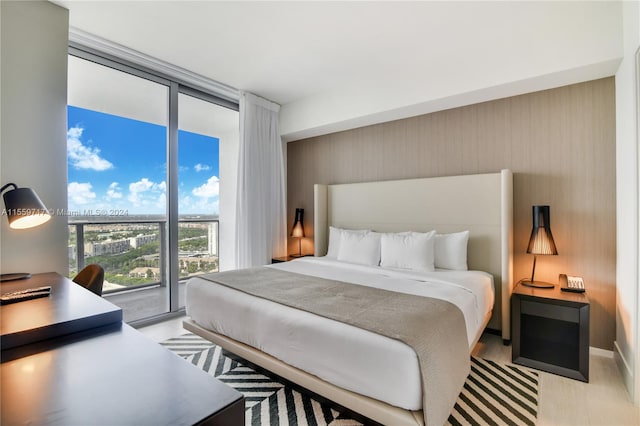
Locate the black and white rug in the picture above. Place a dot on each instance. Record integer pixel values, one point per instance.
(494, 393)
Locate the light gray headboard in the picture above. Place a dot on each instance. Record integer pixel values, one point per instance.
(482, 204)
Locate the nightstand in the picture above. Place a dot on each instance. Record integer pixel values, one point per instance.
(288, 258)
(550, 331)
(284, 259)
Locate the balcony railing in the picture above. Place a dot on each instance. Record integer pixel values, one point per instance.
(134, 251)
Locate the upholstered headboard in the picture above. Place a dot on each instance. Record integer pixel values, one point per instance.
(482, 204)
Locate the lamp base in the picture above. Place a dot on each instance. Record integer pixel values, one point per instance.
(536, 284)
(14, 276)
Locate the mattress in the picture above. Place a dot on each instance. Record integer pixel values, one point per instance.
(349, 357)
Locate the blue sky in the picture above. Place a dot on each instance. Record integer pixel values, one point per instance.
(119, 163)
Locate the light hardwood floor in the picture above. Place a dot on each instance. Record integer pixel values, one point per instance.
(603, 401)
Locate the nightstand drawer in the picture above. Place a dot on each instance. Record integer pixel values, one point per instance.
(560, 313)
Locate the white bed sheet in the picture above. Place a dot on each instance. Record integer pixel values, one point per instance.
(336, 352)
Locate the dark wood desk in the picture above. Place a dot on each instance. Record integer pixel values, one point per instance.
(69, 309)
(115, 377)
(86, 368)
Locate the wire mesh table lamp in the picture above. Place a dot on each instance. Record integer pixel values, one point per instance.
(540, 242)
(298, 230)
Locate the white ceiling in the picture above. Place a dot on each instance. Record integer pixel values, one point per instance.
(341, 62)
(106, 90)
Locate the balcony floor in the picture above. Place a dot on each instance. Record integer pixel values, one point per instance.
(145, 302)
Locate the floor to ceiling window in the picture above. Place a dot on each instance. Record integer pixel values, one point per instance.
(203, 126)
(143, 181)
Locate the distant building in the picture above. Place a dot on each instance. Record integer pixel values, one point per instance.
(71, 251)
(141, 240)
(107, 247)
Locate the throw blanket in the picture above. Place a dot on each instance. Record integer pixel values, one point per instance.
(434, 328)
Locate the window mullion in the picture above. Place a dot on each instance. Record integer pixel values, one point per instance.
(172, 197)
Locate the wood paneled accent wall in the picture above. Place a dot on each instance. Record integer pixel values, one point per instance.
(559, 143)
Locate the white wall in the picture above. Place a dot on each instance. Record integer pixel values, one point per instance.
(627, 292)
(575, 42)
(33, 137)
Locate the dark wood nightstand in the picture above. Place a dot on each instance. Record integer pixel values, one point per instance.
(284, 259)
(288, 258)
(550, 331)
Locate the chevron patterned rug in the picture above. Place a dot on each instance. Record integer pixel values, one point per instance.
(494, 393)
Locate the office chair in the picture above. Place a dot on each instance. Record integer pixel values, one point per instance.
(91, 278)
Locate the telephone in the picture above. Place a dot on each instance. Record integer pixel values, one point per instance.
(573, 284)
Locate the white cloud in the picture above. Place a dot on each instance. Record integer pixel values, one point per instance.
(80, 193)
(142, 185)
(161, 201)
(84, 157)
(209, 189)
(201, 167)
(197, 205)
(114, 191)
(144, 191)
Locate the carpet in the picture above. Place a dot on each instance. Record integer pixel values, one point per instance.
(493, 394)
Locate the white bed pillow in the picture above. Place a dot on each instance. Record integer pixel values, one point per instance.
(361, 248)
(408, 250)
(451, 251)
(335, 235)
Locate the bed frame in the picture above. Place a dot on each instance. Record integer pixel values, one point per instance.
(482, 204)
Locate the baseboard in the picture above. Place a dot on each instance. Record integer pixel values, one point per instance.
(625, 369)
(600, 352)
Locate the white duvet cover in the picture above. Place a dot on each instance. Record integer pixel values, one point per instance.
(349, 357)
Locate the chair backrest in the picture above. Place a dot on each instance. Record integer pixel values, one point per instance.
(91, 278)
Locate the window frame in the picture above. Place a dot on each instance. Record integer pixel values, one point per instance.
(175, 86)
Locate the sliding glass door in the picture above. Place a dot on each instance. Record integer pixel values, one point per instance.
(203, 126)
(143, 181)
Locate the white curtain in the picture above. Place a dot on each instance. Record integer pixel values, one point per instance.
(260, 208)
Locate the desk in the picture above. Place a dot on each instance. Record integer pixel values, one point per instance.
(88, 369)
(115, 377)
(69, 309)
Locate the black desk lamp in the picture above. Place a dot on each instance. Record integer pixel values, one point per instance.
(540, 242)
(24, 210)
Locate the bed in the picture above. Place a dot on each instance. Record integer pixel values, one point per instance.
(325, 355)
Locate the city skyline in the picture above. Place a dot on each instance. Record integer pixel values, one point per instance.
(119, 164)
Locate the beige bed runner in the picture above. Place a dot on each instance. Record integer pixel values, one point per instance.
(434, 328)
